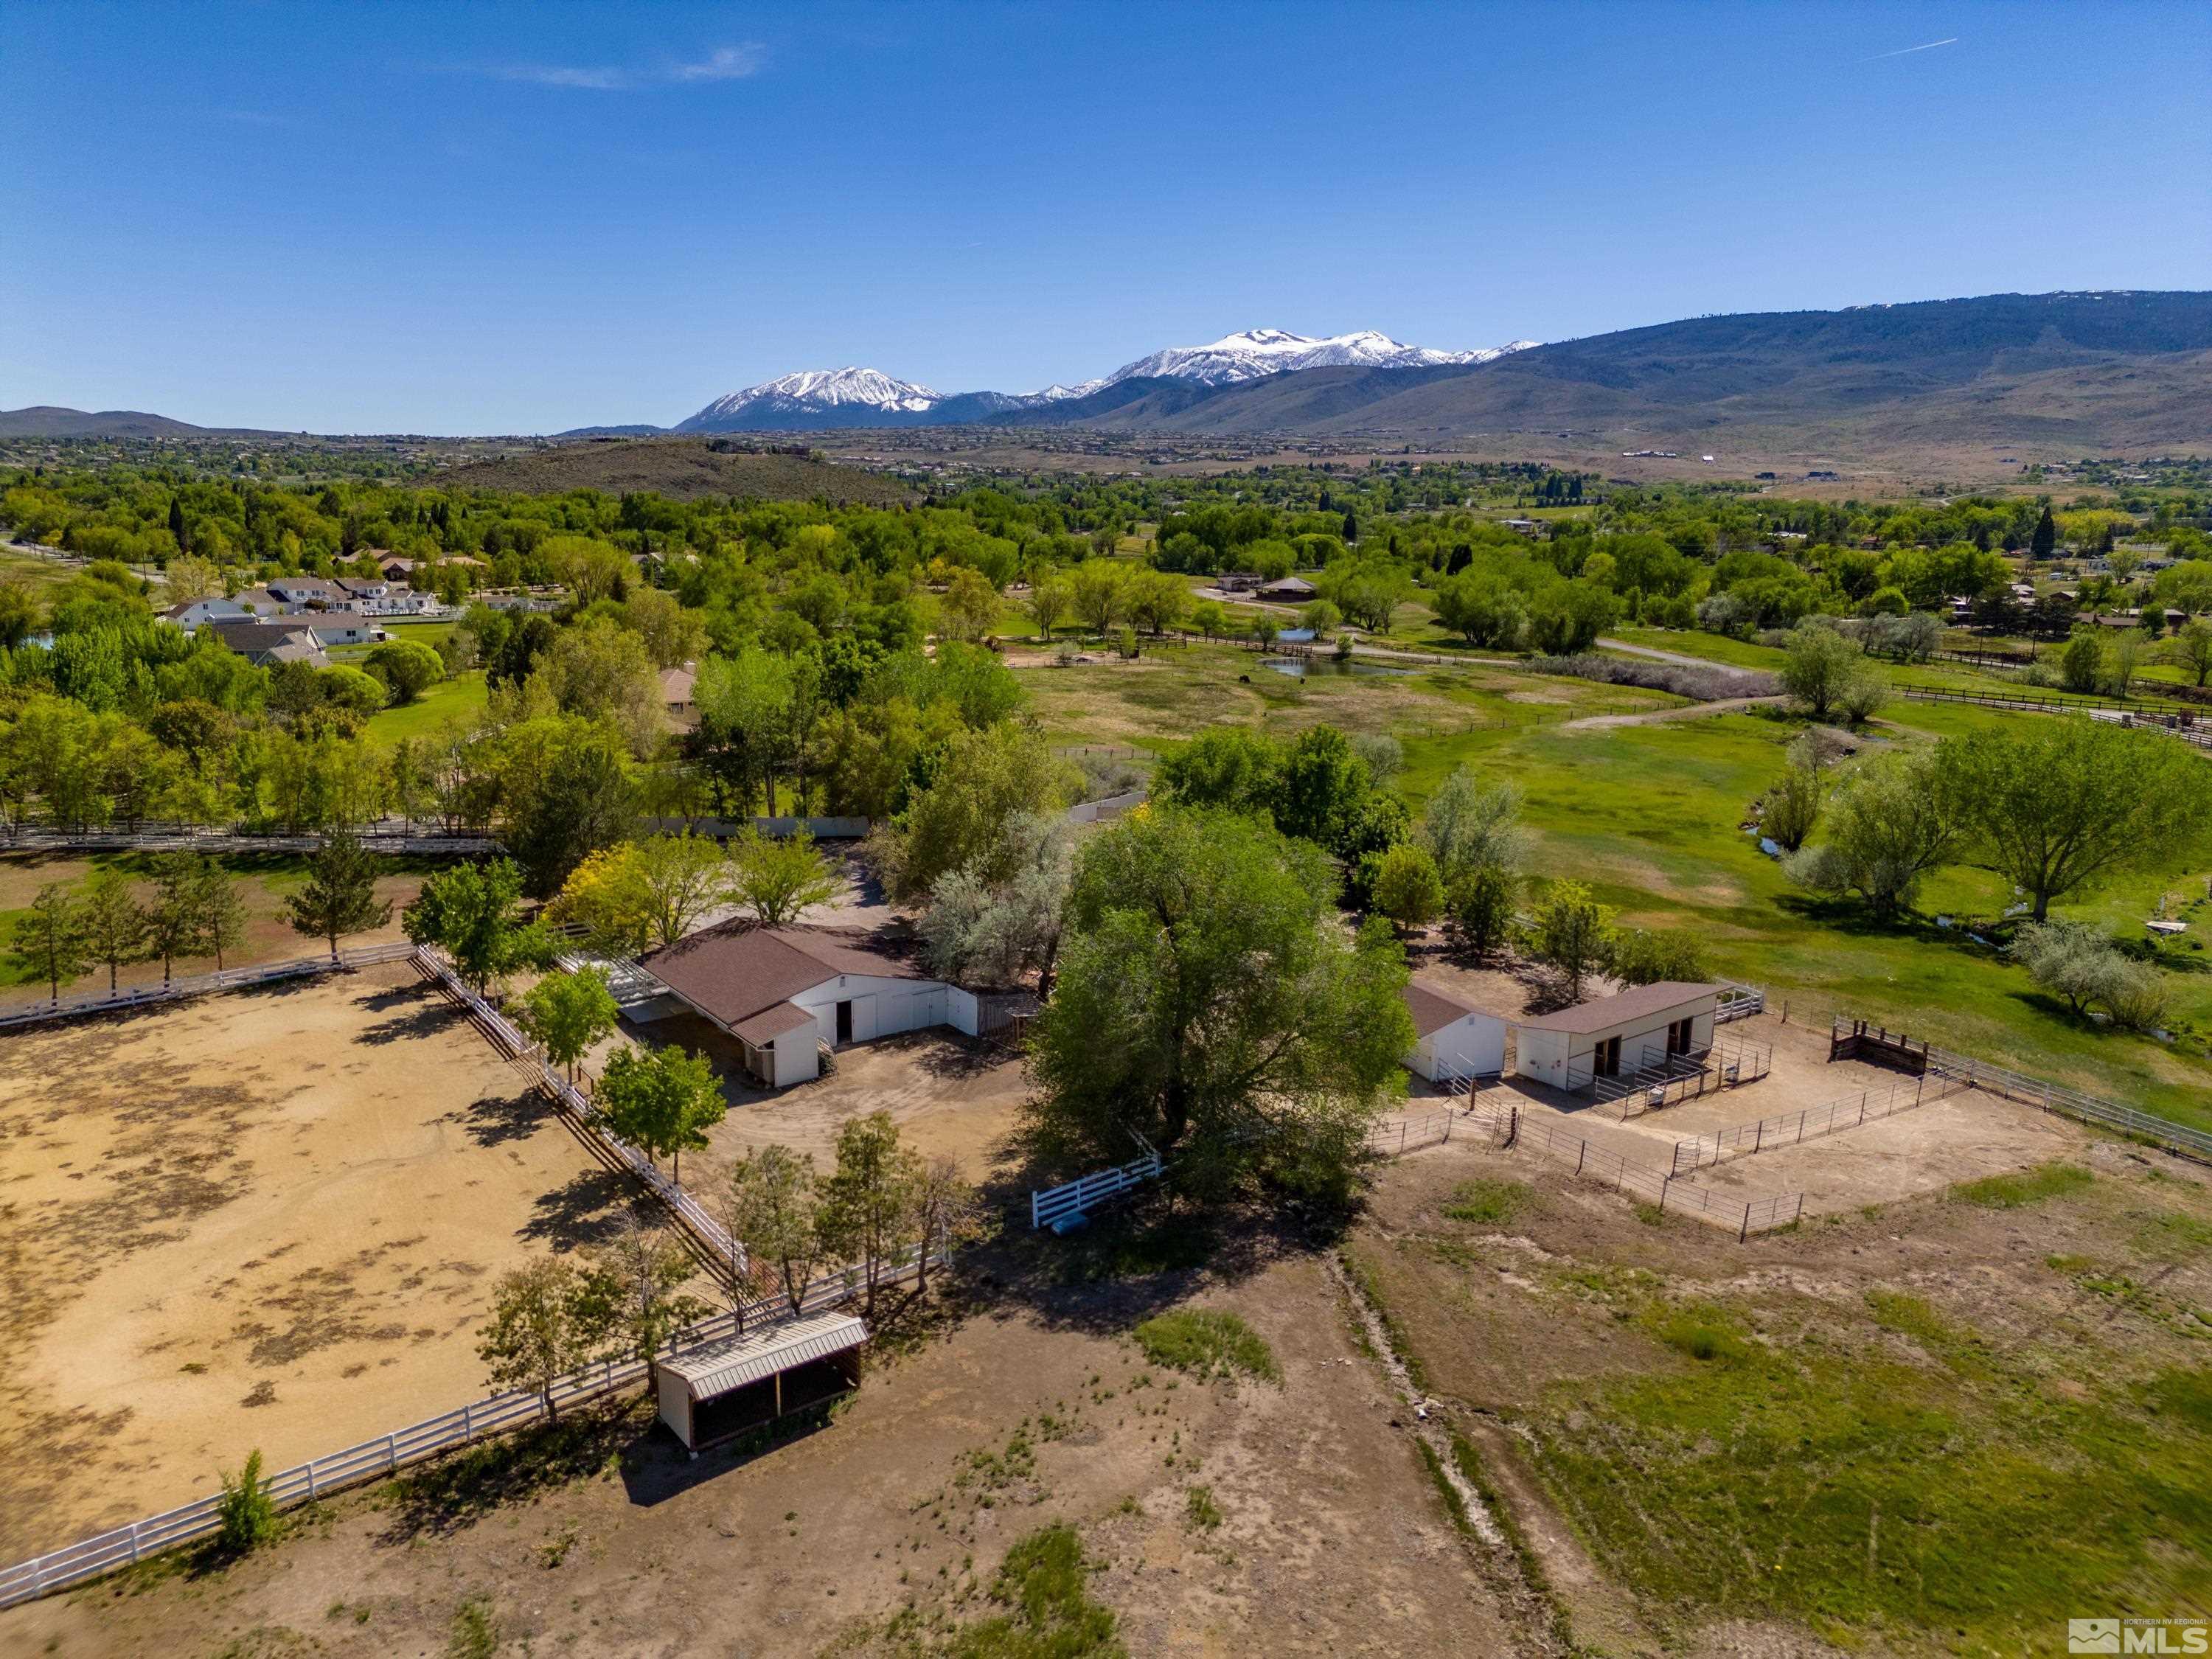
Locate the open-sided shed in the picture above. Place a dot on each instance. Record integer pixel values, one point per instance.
(728, 1388)
(1616, 1036)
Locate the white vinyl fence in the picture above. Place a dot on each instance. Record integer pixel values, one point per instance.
(1056, 1205)
(200, 838)
(388, 1454)
(230, 979)
(1738, 1001)
(518, 1048)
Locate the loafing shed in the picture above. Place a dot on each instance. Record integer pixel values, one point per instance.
(1616, 1036)
(726, 1388)
(1455, 1040)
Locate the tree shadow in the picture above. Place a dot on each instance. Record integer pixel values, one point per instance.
(494, 1120)
(655, 1468)
(425, 1019)
(453, 1493)
(583, 1211)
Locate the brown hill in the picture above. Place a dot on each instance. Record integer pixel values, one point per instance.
(683, 469)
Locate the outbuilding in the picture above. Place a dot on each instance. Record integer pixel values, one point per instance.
(787, 993)
(1454, 1040)
(1290, 590)
(1616, 1036)
(726, 1388)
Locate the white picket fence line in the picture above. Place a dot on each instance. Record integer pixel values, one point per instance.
(1057, 1204)
(1738, 1001)
(387, 1454)
(229, 979)
(518, 1047)
(200, 838)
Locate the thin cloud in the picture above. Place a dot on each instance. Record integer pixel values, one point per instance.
(736, 62)
(1906, 52)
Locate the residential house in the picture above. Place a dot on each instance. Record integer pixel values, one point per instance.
(215, 608)
(265, 643)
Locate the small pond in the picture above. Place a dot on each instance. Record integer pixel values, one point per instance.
(1300, 668)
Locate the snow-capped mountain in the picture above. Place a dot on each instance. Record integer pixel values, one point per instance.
(818, 397)
(789, 399)
(1258, 351)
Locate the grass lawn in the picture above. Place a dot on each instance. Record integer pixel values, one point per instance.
(1690, 642)
(428, 714)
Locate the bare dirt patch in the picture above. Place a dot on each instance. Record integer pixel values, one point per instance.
(264, 1220)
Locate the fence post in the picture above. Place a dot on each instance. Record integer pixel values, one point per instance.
(1758, 1145)
(1744, 1231)
(1663, 1186)
(134, 1538)
(468, 1431)
(1582, 1153)
(392, 1451)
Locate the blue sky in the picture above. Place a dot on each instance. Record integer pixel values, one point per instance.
(488, 218)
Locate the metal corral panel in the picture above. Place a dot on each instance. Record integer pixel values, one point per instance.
(723, 1367)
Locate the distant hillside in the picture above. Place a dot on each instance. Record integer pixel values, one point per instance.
(46, 421)
(2096, 370)
(681, 468)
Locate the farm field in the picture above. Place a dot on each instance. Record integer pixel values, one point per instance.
(262, 1219)
(1651, 814)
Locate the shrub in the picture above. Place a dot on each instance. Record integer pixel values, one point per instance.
(2074, 961)
(1479, 908)
(245, 1515)
(1788, 810)
(1207, 1345)
(1702, 1333)
(1698, 684)
(1641, 957)
(1827, 674)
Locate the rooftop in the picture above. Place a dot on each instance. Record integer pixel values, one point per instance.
(1433, 1009)
(738, 973)
(1602, 1013)
(720, 1367)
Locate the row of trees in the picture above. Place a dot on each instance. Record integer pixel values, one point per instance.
(626, 1298)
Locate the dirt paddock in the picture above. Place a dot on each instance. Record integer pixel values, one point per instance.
(264, 1220)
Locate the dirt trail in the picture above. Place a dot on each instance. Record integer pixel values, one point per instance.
(1692, 711)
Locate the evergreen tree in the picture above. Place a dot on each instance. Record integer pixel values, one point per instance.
(49, 939)
(114, 931)
(2045, 542)
(172, 921)
(221, 908)
(177, 525)
(340, 897)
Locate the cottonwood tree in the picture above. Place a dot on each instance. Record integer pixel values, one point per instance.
(779, 877)
(663, 1100)
(1209, 1000)
(867, 1201)
(49, 941)
(1791, 807)
(546, 1321)
(566, 1013)
(472, 912)
(339, 897)
(1827, 674)
(1644, 957)
(114, 931)
(644, 893)
(1050, 601)
(986, 778)
(2191, 649)
(968, 608)
(1891, 822)
(1571, 933)
(2060, 804)
(981, 931)
(1406, 886)
(771, 1207)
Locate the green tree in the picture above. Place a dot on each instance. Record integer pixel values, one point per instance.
(339, 897)
(472, 912)
(1407, 887)
(661, 1100)
(114, 931)
(1643, 957)
(867, 1201)
(985, 777)
(770, 1208)
(1891, 822)
(1827, 674)
(1469, 825)
(1478, 907)
(634, 1289)
(2081, 665)
(1570, 932)
(2044, 541)
(566, 1013)
(779, 877)
(1791, 807)
(50, 940)
(644, 893)
(406, 669)
(1208, 1000)
(545, 1323)
(224, 913)
(172, 921)
(1049, 603)
(2058, 804)
(2190, 649)
(246, 1513)
(585, 799)
(19, 612)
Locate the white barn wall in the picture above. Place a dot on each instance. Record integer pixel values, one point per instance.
(1472, 1046)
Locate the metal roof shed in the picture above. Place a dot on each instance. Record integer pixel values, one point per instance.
(727, 1388)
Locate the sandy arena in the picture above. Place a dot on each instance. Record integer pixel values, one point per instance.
(269, 1219)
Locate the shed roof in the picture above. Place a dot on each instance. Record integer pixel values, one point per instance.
(720, 1367)
(1603, 1013)
(1432, 1009)
(734, 971)
(765, 1027)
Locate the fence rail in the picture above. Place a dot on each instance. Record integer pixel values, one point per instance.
(688, 1211)
(1738, 1001)
(1789, 1129)
(388, 1454)
(200, 838)
(2178, 724)
(229, 979)
(2062, 1101)
(1052, 1206)
(1671, 1193)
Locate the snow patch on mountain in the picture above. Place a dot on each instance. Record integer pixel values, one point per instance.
(824, 388)
(1258, 351)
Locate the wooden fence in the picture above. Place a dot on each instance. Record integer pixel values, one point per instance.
(388, 1454)
(2178, 724)
(1859, 1039)
(199, 985)
(199, 838)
